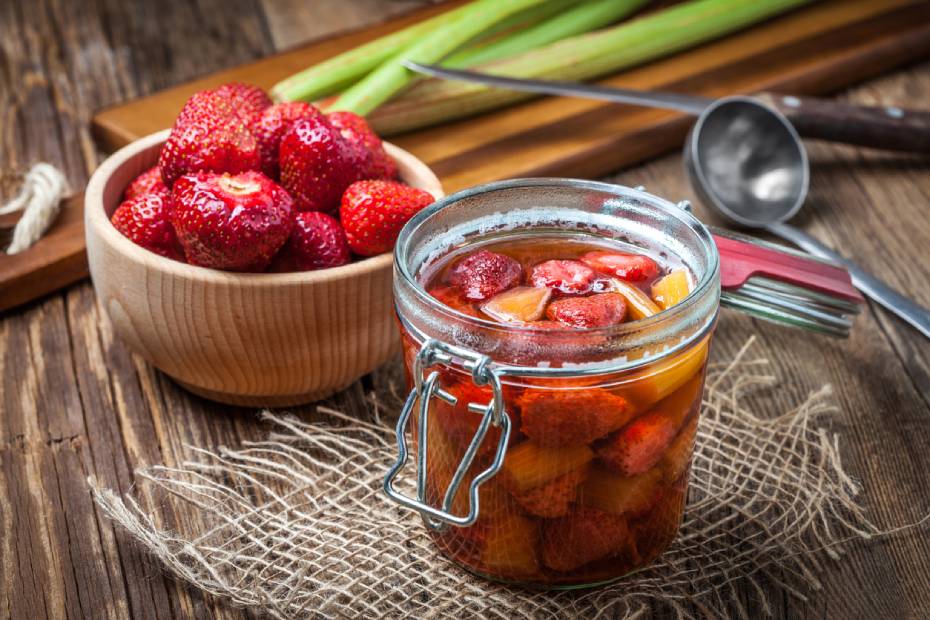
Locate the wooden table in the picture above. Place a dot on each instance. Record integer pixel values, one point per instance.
(76, 403)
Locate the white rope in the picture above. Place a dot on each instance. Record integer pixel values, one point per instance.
(40, 199)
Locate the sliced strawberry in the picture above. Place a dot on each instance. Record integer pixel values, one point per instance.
(568, 277)
(640, 445)
(457, 421)
(601, 310)
(484, 274)
(555, 498)
(678, 456)
(571, 417)
(632, 267)
(585, 535)
(518, 305)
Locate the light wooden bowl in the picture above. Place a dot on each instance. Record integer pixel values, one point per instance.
(251, 339)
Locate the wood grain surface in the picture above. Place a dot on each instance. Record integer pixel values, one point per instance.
(76, 403)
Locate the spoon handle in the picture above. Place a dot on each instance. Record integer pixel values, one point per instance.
(893, 301)
(886, 127)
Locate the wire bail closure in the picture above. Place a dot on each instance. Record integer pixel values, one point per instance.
(431, 353)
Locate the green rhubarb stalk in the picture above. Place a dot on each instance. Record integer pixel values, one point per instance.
(382, 83)
(578, 58)
(339, 72)
(579, 19)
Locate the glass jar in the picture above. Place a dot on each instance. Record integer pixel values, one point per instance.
(601, 491)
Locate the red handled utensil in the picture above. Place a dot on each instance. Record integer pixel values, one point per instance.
(784, 285)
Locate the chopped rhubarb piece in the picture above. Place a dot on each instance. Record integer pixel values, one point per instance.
(659, 380)
(586, 535)
(572, 417)
(638, 303)
(631, 267)
(529, 465)
(518, 305)
(457, 421)
(484, 274)
(671, 289)
(569, 277)
(510, 549)
(633, 495)
(555, 498)
(601, 310)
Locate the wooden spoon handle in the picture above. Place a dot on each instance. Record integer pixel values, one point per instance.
(878, 127)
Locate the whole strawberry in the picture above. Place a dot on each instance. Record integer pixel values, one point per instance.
(317, 164)
(373, 212)
(378, 164)
(212, 133)
(245, 99)
(236, 223)
(145, 220)
(149, 182)
(272, 124)
(317, 242)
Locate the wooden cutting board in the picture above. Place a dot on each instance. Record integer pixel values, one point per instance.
(814, 50)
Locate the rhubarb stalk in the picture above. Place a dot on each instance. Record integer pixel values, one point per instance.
(578, 58)
(389, 78)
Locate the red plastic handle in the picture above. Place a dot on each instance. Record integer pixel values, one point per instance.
(740, 260)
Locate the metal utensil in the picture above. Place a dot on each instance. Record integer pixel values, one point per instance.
(746, 159)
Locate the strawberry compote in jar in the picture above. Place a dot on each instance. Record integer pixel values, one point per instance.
(555, 337)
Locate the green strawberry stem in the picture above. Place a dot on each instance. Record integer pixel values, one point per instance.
(577, 58)
(582, 18)
(339, 72)
(385, 81)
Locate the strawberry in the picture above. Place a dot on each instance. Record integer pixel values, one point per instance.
(236, 223)
(317, 164)
(639, 445)
(373, 212)
(378, 164)
(568, 277)
(149, 182)
(317, 242)
(584, 536)
(518, 305)
(555, 498)
(458, 422)
(247, 100)
(145, 220)
(631, 267)
(209, 135)
(271, 126)
(484, 274)
(571, 417)
(600, 310)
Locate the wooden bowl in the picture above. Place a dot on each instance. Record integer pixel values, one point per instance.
(254, 339)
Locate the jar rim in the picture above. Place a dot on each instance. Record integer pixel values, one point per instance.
(707, 279)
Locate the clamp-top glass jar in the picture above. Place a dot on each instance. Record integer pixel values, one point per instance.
(556, 456)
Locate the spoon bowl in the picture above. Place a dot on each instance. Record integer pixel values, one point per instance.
(746, 160)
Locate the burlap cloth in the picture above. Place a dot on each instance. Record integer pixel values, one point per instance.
(297, 525)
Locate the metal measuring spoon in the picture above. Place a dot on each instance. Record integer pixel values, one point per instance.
(746, 159)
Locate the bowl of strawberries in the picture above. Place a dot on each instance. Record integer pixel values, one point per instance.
(246, 252)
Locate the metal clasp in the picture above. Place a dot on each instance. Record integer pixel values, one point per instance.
(431, 353)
